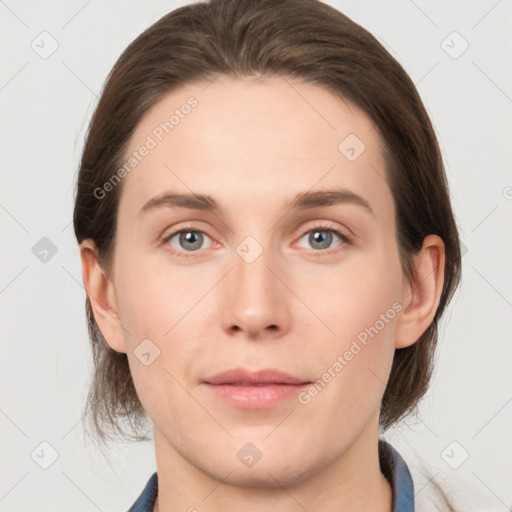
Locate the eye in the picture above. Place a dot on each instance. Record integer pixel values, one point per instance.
(321, 238)
(188, 240)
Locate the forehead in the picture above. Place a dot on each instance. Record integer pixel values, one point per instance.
(250, 138)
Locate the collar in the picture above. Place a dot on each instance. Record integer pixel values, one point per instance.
(394, 468)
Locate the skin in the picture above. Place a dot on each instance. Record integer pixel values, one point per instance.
(253, 144)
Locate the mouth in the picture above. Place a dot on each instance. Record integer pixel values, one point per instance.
(261, 389)
(244, 377)
(255, 384)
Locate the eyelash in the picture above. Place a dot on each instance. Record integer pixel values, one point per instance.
(345, 238)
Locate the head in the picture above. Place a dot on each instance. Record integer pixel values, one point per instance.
(260, 106)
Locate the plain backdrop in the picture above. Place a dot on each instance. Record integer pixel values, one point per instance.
(458, 54)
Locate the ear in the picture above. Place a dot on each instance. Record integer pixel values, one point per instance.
(421, 297)
(101, 293)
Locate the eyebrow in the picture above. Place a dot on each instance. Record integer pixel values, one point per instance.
(302, 201)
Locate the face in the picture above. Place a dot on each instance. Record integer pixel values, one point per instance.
(276, 276)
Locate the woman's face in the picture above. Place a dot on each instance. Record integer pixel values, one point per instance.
(260, 282)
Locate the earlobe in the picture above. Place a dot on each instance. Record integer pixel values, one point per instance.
(421, 296)
(101, 294)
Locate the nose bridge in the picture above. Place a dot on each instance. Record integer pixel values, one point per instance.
(257, 300)
(252, 261)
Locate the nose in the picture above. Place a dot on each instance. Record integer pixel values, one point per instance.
(257, 298)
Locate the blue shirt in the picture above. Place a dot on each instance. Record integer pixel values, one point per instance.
(392, 466)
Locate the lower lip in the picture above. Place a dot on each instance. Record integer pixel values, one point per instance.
(255, 397)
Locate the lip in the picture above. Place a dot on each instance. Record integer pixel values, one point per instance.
(260, 389)
(242, 376)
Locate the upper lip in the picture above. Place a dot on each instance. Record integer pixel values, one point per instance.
(244, 376)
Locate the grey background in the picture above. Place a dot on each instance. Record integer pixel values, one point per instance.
(45, 104)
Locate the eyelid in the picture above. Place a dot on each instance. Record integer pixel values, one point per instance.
(344, 233)
(327, 225)
(188, 226)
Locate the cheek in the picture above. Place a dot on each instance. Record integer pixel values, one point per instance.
(353, 296)
(161, 313)
(352, 367)
(152, 302)
(359, 308)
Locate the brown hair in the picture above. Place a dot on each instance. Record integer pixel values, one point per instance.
(303, 39)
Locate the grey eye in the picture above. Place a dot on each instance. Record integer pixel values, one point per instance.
(189, 240)
(321, 238)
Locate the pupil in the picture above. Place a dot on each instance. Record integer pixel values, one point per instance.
(189, 237)
(317, 237)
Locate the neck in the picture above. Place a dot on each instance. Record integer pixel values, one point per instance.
(352, 482)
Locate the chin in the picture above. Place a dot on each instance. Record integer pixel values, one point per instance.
(269, 475)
